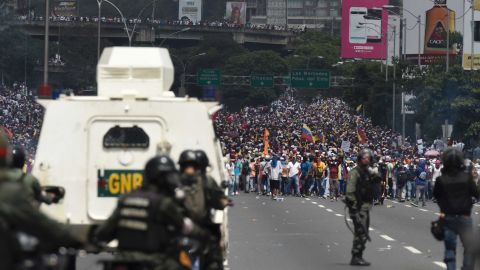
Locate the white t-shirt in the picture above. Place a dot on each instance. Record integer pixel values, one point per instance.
(436, 173)
(230, 168)
(293, 169)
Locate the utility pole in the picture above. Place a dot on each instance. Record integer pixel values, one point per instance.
(419, 41)
(447, 61)
(45, 52)
(472, 56)
(394, 75)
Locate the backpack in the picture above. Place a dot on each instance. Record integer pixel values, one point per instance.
(402, 176)
(246, 168)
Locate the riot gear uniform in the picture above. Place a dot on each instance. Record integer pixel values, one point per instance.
(215, 199)
(147, 221)
(31, 183)
(359, 199)
(17, 211)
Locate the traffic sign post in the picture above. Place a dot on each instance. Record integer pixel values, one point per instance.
(310, 78)
(261, 81)
(206, 77)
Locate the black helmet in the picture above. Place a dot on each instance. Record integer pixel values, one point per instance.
(188, 157)
(202, 159)
(453, 160)
(19, 157)
(157, 168)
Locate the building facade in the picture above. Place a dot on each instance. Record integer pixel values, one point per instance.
(317, 14)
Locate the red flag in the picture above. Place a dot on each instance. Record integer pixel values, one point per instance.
(230, 118)
(244, 124)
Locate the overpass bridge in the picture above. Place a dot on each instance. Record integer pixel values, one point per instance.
(148, 33)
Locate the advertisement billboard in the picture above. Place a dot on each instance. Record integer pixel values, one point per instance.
(364, 27)
(236, 12)
(190, 10)
(65, 8)
(468, 40)
(435, 18)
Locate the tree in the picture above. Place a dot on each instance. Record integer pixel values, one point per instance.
(18, 55)
(259, 62)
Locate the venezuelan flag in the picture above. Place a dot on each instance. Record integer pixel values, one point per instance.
(307, 133)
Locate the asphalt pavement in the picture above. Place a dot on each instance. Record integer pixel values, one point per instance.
(310, 233)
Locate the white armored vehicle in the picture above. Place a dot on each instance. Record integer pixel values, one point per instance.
(96, 147)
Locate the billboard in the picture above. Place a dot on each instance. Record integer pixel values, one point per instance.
(190, 10)
(65, 8)
(435, 17)
(468, 41)
(364, 27)
(236, 12)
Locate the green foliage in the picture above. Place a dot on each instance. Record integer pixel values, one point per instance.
(246, 64)
(18, 55)
(454, 96)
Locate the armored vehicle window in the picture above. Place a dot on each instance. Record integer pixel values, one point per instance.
(126, 137)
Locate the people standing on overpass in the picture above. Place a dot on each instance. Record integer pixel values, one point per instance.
(454, 191)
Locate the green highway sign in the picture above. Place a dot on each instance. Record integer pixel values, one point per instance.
(287, 81)
(206, 77)
(310, 78)
(261, 81)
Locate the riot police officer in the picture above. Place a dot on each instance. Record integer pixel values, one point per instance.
(31, 183)
(359, 199)
(215, 199)
(147, 221)
(17, 214)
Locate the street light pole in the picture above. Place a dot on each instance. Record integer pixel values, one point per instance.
(174, 33)
(45, 52)
(394, 75)
(182, 90)
(99, 2)
(419, 41)
(472, 8)
(447, 61)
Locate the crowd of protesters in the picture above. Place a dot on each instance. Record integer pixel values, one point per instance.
(20, 116)
(220, 23)
(318, 164)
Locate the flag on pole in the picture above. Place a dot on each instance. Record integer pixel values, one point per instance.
(266, 145)
(307, 133)
(359, 108)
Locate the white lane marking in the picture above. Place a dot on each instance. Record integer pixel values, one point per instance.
(321, 206)
(441, 264)
(406, 205)
(307, 199)
(314, 202)
(329, 210)
(386, 237)
(371, 229)
(394, 201)
(438, 214)
(339, 215)
(424, 210)
(349, 219)
(413, 250)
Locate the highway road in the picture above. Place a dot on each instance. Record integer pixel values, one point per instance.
(310, 233)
